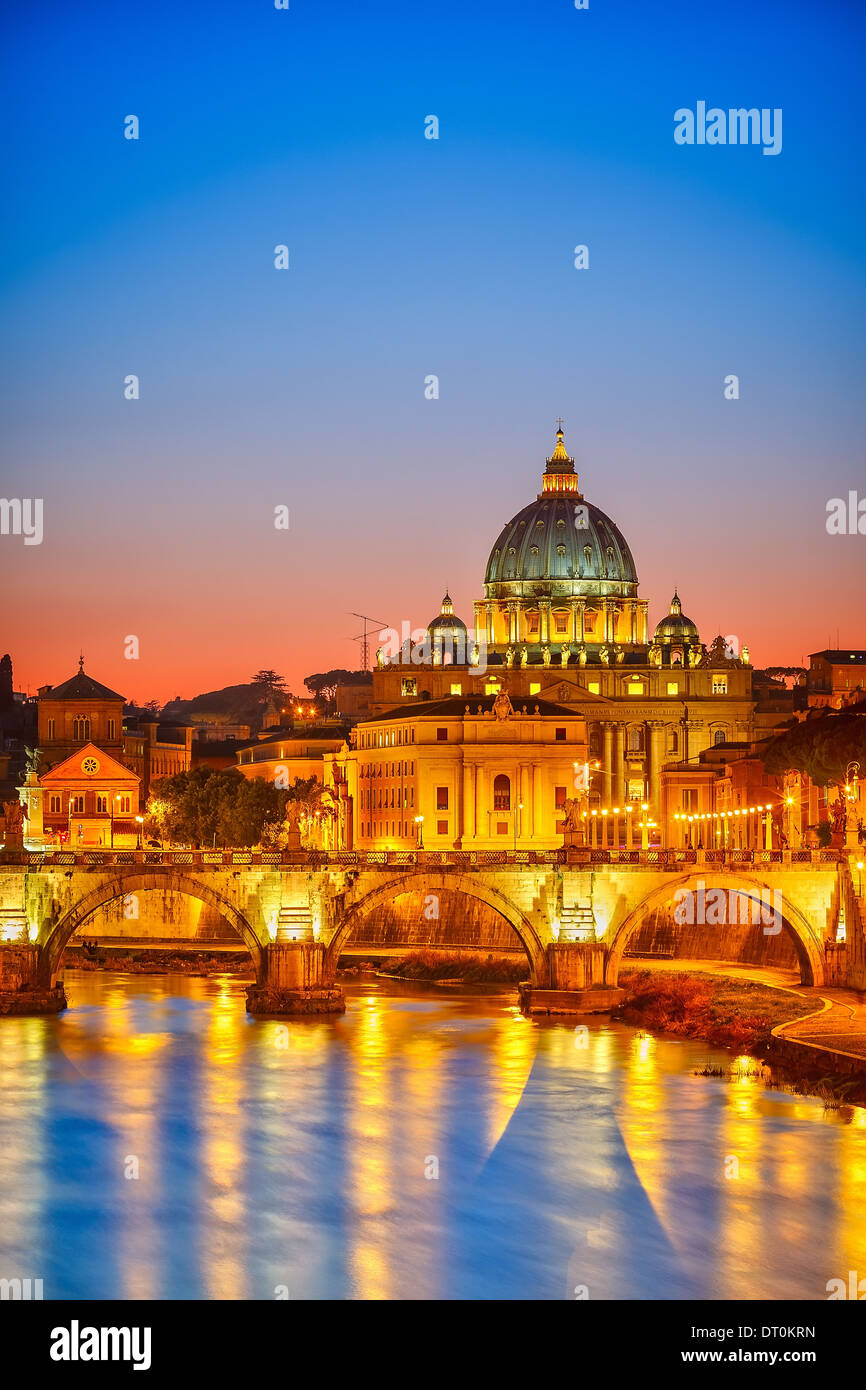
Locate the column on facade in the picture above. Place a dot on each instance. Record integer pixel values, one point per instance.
(544, 620)
(524, 790)
(582, 617)
(607, 777)
(618, 779)
(657, 757)
(491, 637)
(468, 823)
(537, 810)
(482, 820)
(575, 620)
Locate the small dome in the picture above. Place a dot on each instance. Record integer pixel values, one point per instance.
(448, 635)
(676, 627)
(446, 621)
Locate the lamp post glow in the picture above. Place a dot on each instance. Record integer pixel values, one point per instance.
(419, 821)
(517, 823)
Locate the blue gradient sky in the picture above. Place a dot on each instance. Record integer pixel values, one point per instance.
(411, 257)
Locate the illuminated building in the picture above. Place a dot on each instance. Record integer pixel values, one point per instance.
(481, 773)
(90, 798)
(561, 621)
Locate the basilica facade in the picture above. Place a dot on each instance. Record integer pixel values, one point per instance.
(560, 627)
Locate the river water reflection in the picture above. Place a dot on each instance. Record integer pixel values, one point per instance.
(295, 1155)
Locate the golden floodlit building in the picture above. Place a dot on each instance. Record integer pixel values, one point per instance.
(560, 627)
(458, 774)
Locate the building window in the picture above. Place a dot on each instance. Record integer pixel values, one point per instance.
(456, 688)
(636, 789)
(719, 736)
(559, 735)
(493, 687)
(81, 729)
(55, 804)
(78, 805)
(441, 735)
(635, 738)
(532, 622)
(124, 805)
(635, 688)
(501, 793)
(673, 687)
(690, 799)
(720, 685)
(111, 728)
(441, 827)
(674, 742)
(535, 687)
(441, 798)
(51, 728)
(502, 827)
(101, 805)
(594, 688)
(560, 620)
(409, 685)
(560, 795)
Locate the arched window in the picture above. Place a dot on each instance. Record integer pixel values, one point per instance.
(635, 738)
(81, 729)
(673, 742)
(501, 793)
(719, 736)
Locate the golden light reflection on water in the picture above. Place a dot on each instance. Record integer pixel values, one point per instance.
(222, 1148)
(307, 1146)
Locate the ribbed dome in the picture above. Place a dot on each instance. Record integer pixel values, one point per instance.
(676, 627)
(543, 543)
(561, 540)
(447, 634)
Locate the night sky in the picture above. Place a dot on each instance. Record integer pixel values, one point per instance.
(411, 257)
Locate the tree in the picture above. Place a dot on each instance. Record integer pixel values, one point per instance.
(209, 806)
(821, 747)
(273, 684)
(324, 683)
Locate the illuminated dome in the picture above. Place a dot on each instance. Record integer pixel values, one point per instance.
(561, 582)
(447, 634)
(562, 541)
(676, 628)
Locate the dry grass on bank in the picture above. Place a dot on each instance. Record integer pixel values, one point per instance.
(724, 1011)
(438, 965)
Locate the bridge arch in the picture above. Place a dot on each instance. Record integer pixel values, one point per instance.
(430, 881)
(118, 886)
(805, 942)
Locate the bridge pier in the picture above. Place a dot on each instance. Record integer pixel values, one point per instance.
(295, 981)
(21, 991)
(576, 984)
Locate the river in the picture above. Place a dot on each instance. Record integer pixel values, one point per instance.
(158, 1143)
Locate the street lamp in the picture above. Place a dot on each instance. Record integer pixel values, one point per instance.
(140, 822)
(419, 821)
(516, 823)
(860, 879)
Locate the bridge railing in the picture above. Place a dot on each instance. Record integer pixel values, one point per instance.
(406, 859)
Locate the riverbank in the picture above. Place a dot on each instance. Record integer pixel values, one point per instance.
(440, 965)
(745, 1015)
(159, 962)
(728, 1012)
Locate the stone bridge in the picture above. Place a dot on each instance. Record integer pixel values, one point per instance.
(574, 910)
